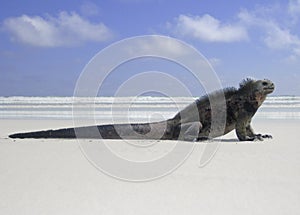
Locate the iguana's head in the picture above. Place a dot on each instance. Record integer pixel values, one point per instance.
(263, 87)
(256, 90)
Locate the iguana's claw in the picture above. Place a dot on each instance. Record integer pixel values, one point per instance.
(254, 138)
(267, 136)
(261, 137)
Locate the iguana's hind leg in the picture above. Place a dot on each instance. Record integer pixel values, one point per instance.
(190, 131)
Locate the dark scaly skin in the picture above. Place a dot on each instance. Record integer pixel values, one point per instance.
(251, 95)
(241, 106)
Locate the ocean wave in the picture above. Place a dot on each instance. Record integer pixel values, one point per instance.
(275, 107)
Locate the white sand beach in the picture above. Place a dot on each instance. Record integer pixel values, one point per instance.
(54, 177)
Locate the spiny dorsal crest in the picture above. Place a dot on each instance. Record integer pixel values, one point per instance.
(247, 82)
(247, 85)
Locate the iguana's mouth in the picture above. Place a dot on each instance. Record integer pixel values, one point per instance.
(269, 89)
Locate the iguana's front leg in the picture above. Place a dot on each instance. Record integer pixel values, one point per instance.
(241, 132)
(251, 133)
(245, 132)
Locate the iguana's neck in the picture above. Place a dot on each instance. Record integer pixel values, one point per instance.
(260, 98)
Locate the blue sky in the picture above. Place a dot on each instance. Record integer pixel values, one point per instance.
(46, 44)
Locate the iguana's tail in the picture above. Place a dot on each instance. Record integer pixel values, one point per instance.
(157, 130)
(66, 133)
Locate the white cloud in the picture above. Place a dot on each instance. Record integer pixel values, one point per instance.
(275, 25)
(278, 38)
(67, 29)
(164, 46)
(294, 8)
(274, 34)
(209, 29)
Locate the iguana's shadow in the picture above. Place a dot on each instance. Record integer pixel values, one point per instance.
(232, 140)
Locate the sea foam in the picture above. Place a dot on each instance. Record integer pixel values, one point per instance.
(133, 108)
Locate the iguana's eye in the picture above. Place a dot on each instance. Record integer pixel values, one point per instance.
(264, 83)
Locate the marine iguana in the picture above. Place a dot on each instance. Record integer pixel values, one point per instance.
(241, 105)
